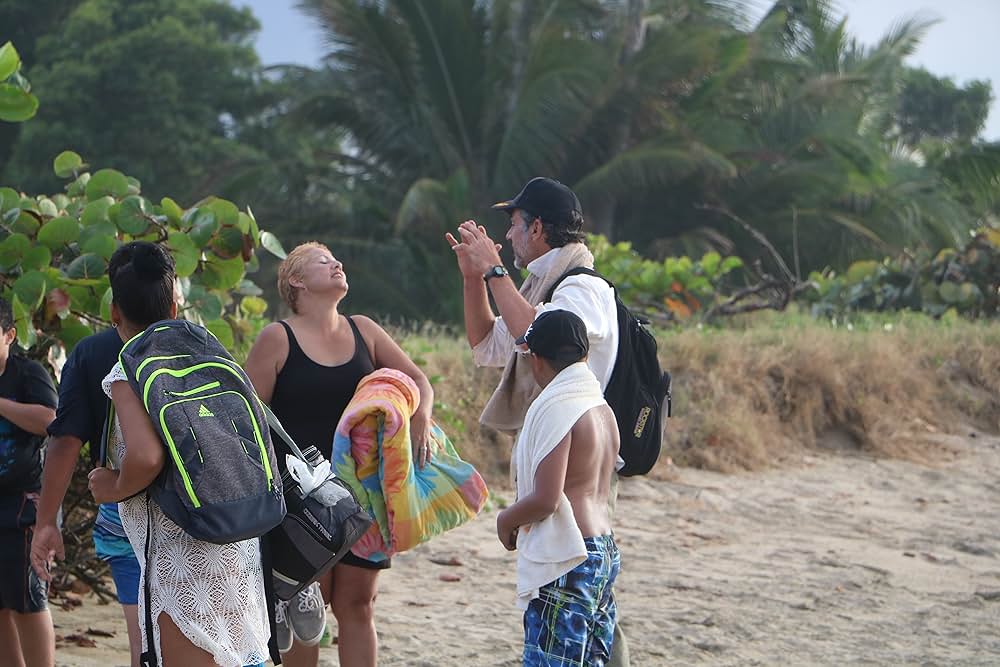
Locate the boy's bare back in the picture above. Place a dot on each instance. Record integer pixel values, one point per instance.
(593, 452)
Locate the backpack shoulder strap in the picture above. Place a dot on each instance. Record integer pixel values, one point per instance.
(576, 271)
(275, 424)
(99, 455)
(148, 656)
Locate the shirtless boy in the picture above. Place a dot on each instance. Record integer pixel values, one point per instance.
(560, 525)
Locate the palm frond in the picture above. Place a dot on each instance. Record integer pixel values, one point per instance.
(450, 41)
(560, 77)
(650, 167)
(427, 199)
(374, 60)
(902, 39)
(975, 170)
(434, 203)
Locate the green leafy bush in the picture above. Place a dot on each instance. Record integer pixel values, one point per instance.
(674, 290)
(17, 104)
(965, 281)
(54, 252)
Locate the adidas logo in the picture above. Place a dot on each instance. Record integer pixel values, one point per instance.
(204, 412)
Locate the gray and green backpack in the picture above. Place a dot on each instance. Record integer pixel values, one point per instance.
(221, 482)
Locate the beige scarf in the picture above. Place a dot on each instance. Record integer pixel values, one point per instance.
(505, 409)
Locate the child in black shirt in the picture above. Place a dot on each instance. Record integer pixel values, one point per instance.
(27, 405)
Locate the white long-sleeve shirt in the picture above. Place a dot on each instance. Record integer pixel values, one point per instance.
(589, 297)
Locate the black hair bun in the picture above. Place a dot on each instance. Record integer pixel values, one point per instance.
(151, 262)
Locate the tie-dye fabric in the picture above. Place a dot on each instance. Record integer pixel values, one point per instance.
(372, 453)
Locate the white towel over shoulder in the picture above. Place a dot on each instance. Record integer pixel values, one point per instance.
(552, 547)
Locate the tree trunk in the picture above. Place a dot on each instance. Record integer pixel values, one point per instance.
(601, 216)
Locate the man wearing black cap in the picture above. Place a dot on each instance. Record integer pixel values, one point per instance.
(564, 459)
(546, 237)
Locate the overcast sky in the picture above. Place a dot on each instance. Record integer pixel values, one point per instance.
(962, 45)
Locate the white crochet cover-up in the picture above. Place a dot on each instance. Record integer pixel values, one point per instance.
(213, 592)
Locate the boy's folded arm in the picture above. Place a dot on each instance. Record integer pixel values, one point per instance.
(31, 417)
(550, 479)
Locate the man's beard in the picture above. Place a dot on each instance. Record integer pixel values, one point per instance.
(519, 264)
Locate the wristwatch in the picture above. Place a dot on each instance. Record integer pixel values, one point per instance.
(497, 271)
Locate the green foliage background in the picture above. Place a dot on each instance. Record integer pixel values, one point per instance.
(153, 88)
(688, 130)
(55, 251)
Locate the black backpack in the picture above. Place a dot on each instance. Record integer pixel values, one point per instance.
(20, 460)
(221, 482)
(637, 388)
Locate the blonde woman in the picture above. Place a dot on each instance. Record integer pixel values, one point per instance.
(307, 368)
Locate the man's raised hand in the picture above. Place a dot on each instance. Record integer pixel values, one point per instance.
(474, 247)
(482, 252)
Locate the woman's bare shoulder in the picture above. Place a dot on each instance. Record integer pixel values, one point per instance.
(364, 322)
(272, 341)
(369, 328)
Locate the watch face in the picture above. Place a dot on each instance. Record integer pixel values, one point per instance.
(495, 272)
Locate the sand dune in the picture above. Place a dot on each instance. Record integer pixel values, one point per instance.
(845, 560)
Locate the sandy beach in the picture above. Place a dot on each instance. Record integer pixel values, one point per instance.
(844, 559)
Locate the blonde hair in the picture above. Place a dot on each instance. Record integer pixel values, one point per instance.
(291, 267)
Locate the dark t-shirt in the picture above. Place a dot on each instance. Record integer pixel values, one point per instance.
(83, 405)
(24, 381)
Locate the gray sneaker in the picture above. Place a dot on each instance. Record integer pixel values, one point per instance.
(307, 615)
(283, 631)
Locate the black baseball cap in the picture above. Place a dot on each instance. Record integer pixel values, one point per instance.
(543, 197)
(558, 335)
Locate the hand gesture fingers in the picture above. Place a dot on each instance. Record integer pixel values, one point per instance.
(468, 235)
(475, 250)
(425, 454)
(420, 438)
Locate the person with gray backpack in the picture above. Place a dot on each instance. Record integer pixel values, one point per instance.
(193, 471)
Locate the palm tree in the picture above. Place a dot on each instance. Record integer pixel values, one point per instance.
(785, 126)
(671, 118)
(453, 105)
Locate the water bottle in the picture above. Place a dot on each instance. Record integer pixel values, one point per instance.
(310, 455)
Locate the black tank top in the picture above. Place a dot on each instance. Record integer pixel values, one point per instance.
(309, 397)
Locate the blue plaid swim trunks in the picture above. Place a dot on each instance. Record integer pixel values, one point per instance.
(572, 622)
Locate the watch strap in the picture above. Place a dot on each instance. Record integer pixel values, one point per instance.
(496, 271)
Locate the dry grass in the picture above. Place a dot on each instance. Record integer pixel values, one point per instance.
(763, 393)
